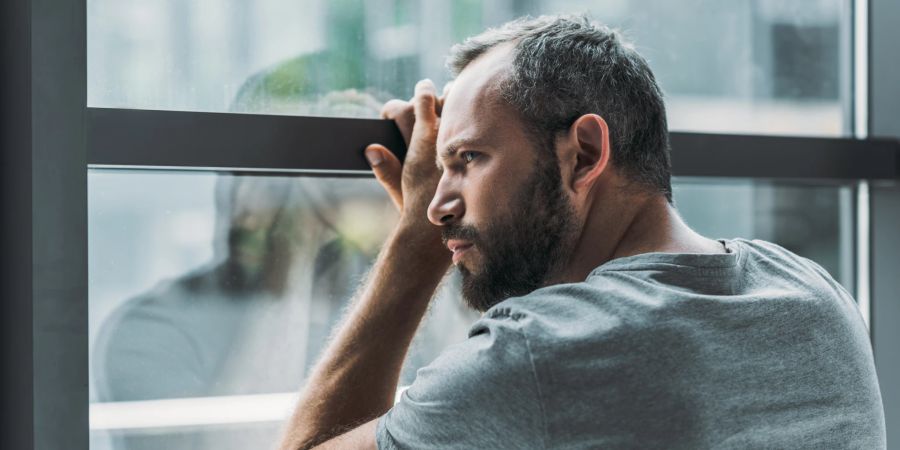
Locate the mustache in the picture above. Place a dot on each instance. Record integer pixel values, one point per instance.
(465, 232)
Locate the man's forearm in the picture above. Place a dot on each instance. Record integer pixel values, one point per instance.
(357, 377)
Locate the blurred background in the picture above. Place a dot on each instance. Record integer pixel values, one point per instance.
(211, 294)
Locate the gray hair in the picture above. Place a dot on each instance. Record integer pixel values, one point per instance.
(567, 66)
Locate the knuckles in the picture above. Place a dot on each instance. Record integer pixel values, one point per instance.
(396, 109)
(425, 98)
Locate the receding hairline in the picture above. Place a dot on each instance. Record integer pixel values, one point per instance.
(459, 61)
(564, 66)
(492, 86)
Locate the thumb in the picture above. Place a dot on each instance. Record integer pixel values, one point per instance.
(387, 170)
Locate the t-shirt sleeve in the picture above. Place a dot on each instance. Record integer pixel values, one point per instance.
(481, 393)
(142, 354)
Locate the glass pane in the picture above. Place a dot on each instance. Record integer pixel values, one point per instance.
(764, 66)
(211, 295)
(814, 221)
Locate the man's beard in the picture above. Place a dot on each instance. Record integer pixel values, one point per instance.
(522, 251)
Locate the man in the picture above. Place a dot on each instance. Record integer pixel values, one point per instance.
(608, 323)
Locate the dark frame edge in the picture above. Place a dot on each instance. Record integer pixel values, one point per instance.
(17, 417)
(59, 224)
(883, 112)
(252, 142)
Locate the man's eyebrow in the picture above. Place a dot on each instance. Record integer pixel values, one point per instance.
(453, 147)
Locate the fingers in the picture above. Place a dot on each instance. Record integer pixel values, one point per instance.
(418, 121)
(443, 98)
(394, 108)
(425, 103)
(424, 136)
(403, 114)
(387, 170)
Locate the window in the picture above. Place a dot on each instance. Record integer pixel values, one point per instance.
(813, 220)
(213, 289)
(746, 67)
(211, 295)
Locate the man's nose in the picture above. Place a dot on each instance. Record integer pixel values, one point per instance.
(446, 207)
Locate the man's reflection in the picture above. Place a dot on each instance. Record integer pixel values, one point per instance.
(288, 255)
(249, 322)
(257, 254)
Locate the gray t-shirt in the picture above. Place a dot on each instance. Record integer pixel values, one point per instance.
(756, 348)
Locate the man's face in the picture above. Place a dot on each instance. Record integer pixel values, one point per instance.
(500, 201)
(255, 207)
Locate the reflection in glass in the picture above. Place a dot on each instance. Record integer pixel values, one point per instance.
(765, 66)
(205, 285)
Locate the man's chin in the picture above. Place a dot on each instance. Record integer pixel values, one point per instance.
(468, 267)
(475, 291)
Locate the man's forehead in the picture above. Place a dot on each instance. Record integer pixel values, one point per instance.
(473, 97)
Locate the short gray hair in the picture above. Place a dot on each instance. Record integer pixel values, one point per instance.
(567, 66)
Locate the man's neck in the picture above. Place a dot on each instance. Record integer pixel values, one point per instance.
(632, 226)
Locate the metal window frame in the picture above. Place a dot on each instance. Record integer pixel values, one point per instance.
(50, 137)
(320, 145)
(44, 225)
(881, 117)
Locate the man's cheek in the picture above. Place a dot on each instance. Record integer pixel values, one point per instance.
(486, 202)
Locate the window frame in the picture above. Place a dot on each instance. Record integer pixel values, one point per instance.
(50, 139)
(880, 115)
(270, 143)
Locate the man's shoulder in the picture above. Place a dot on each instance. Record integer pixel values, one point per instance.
(597, 294)
(571, 312)
(641, 295)
(773, 256)
(774, 266)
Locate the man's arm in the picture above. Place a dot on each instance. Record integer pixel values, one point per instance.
(356, 379)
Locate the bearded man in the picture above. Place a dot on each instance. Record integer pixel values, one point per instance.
(607, 322)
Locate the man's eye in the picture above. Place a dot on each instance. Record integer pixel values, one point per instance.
(468, 156)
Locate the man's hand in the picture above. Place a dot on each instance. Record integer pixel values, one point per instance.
(356, 378)
(412, 185)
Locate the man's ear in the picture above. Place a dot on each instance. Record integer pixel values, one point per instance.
(590, 135)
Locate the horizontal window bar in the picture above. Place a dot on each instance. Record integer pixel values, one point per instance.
(176, 139)
(703, 155)
(196, 411)
(125, 138)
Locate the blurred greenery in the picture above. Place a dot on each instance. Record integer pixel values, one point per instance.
(467, 19)
(305, 83)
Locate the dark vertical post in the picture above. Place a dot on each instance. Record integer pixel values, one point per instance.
(59, 223)
(884, 120)
(16, 422)
(43, 236)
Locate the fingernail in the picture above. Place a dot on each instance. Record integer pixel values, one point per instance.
(374, 156)
(427, 83)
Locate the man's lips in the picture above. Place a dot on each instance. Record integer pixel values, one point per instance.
(458, 247)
